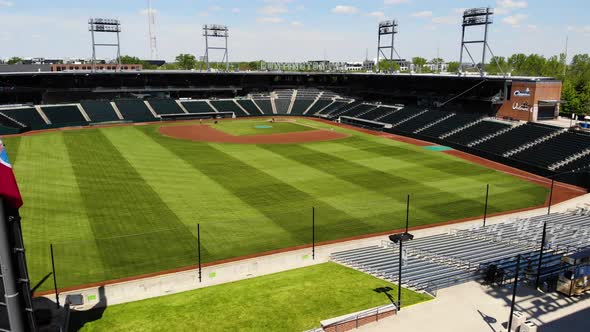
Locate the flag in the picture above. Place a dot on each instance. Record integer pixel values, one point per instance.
(8, 187)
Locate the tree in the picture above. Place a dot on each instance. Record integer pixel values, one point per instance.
(497, 65)
(418, 62)
(14, 60)
(453, 66)
(388, 65)
(186, 61)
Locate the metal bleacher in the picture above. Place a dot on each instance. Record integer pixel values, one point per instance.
(443, 260)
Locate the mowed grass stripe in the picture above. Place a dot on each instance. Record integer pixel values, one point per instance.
(48, 184)
(464, 178)
(374, 208)
(135, 231)
(196, 198)
(285, 205)
(372, 178)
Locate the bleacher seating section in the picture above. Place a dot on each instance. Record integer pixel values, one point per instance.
(99, 110)
(555, 149)
(165, 106)
(265, 105)
(536, 144)
(357, 110)
(515, 138)
(27, 116)
(134, 110)
(578, 164)
(396, 117)
(228, 106)
(249, 106)
(300, 106)
(64, 115)
(282, 105)
(457, 121)
(377, 113)
(421, 121)
(442, 260)
(477, 131)
(318, 106)
(197, 106)
(337, 104)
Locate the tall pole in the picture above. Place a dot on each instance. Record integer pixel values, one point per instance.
(541, 255)
(399, 278)
(119, 51)
(11, 294)
(407, 212)
(514, 293)
(206, 28)
(485, 42)
(485, 209)
(199, 248)
(54, 275)
(462, 46)
(550, 196)
(93, 49)
(313, 233)
(378, 49)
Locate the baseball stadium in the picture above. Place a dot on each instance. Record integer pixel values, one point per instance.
(279, 201)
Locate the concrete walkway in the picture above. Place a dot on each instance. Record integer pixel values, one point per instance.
(474, 307)
(165, 284)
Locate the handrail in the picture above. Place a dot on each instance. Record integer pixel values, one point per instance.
(364, 314)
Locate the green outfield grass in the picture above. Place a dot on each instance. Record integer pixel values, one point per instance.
(249, 127)
(295, 300)
(123, 201)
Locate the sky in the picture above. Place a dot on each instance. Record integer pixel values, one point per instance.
(291, 30)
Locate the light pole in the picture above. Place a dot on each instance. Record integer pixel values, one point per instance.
(514, 292)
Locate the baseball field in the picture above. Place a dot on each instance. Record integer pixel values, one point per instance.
(122, 201)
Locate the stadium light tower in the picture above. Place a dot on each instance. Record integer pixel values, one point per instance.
(216, 31)
(472, 18)
(107, 26)
(151, 15)
(386, 28)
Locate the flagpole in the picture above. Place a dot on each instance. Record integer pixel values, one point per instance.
(13, 306)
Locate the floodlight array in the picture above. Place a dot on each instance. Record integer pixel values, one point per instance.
(104, 25)
(478, 16)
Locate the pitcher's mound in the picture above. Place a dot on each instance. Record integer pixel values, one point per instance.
(204, 133)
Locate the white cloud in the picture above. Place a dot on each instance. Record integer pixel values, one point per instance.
(445, 20)
(342, 9)
(296, 24)
(515, 20)
(505, 7)
(235, 10)
(378, 15)
(270, 19)
(273, 9)
(215, 8)
(511, 4)
(5, 3)
(581, 29)
(203, 14)
(422, 14)
(395, 2)
(459, 10)
(532, 27)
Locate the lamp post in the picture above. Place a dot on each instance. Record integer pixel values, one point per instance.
(514, 292)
